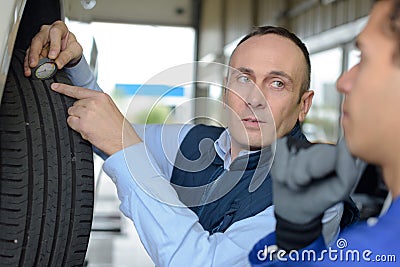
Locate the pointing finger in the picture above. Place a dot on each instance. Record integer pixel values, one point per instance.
(74, 91)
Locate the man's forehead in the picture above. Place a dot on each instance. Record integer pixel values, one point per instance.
(258, 48)
(379, 19)
(267, 44)
(270, 45)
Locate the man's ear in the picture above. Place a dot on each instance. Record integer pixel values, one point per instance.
(305, 104)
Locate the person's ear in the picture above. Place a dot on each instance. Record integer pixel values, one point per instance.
(305, 104)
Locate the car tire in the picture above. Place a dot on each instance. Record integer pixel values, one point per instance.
(46, 175)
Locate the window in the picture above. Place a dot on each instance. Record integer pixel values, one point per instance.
(322, 122)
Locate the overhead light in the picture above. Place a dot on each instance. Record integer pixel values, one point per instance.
(88, 4)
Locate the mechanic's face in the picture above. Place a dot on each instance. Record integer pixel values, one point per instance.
(372, 92)
(269, 68)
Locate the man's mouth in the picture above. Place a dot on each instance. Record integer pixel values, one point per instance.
(345, 113)
(252, 122)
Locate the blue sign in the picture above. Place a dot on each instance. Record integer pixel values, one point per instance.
(150, 90)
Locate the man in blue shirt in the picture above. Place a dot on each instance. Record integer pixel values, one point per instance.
(210, 228)
(371, 130)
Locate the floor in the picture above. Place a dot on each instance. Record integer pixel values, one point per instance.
(114, 241)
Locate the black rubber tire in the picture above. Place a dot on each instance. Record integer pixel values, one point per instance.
(46, 176)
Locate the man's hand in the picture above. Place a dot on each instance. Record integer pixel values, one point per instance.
(96, 117)
(55, 42)
(307, 180)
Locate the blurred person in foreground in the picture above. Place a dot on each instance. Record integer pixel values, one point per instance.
(371, 131)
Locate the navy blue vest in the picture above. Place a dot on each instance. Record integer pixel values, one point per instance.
(198, 165)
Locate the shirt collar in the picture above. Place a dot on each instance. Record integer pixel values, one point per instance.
(223, 145)
(223, 148)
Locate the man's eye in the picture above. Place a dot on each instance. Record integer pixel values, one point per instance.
(278, 84)
(243, 79)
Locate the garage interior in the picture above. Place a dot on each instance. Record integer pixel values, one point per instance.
(327, 27)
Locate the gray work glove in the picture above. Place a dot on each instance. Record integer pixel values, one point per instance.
(307, 180)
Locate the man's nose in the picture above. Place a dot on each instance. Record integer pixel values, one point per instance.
(345, 82)
(255, 98)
